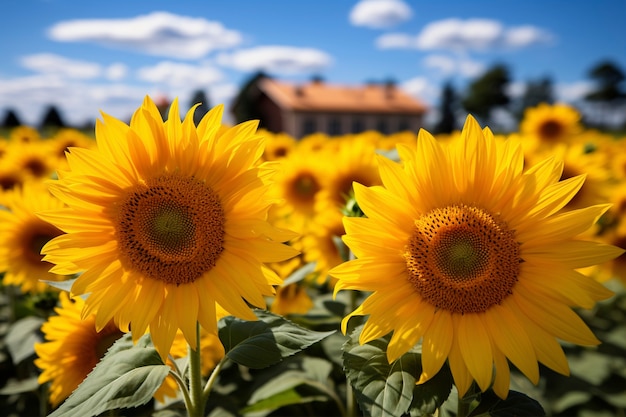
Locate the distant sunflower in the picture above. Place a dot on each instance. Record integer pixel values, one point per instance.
(72, 349)
(468, 253)
(548, 124)
(33, 159)
(322, 244)
(23, 234)
(594, 166)
(164, 220)
(352, 160)
(291, 299)
(10, 178)
(24, 134)
(298, 182)
(278, 145)
(65, 139)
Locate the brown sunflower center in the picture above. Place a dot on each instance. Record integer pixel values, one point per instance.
(36, 167)
(304, 187)
(171, 229)
(550, 130)
(462, 259)
(37, 235)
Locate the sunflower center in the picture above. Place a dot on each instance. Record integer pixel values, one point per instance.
(304, 187)
(462, 259)
(171, 229)
(36, 167)
(40, 234)
(550, 130)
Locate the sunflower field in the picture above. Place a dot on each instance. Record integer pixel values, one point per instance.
(167, 268)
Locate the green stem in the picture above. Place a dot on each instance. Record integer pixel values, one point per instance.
(464, 403)
(195, 379)
(183, 388)
(463, 408)
(350, 399)
(216, 371)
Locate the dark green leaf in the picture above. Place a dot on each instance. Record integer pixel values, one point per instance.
(384, 389)
(127, 376)
(22, 336)
(515, 405)
(259, 344)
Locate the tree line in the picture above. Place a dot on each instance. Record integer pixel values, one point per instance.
(488, 93)
(482, 97)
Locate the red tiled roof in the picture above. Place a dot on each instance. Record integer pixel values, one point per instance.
(321, 97)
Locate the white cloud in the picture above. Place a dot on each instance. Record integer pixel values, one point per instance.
(462, 35)
(277, 59)
(421, 88)
(115, 72)
(458, 34)
(447, 65)
(516, 88)
(77, 101)
(55, 64)
(521, 36)
(396, 41)
(572, 92)
(379, 14)
(175, 74)
(157, 33)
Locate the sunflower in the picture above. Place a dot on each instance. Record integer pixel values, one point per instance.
(165, 219)
(291, 299)
(24, 134)
(298, 183)
(278, 145)
(63, 140)
(72, 349)
(23, 234)
(469, 254)
(548, 124)
(598, 187)
(33, 159)
(352, 160)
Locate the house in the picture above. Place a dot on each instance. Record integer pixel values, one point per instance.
(299, 109)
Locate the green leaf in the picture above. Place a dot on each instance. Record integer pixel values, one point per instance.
(516, 404)
(15, 386)
(127, 376)
(65, 285)
(384, 389)
(315, 373)
(287, 397)
(259, 344)
(22, 336)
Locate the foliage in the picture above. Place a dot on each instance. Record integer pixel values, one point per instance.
(487, 92)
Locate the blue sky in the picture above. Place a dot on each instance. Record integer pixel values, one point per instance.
(89, 56)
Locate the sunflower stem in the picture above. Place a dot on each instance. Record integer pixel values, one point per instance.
(464, 403)
(183, 388)
(198, 401)
(216, 371)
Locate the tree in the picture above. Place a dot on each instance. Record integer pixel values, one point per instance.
(199, 97)
(536, 92)
(447, 120)
(608, 92)
(52, 118)
(244, 106)
(11, 120)
(487, 92)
